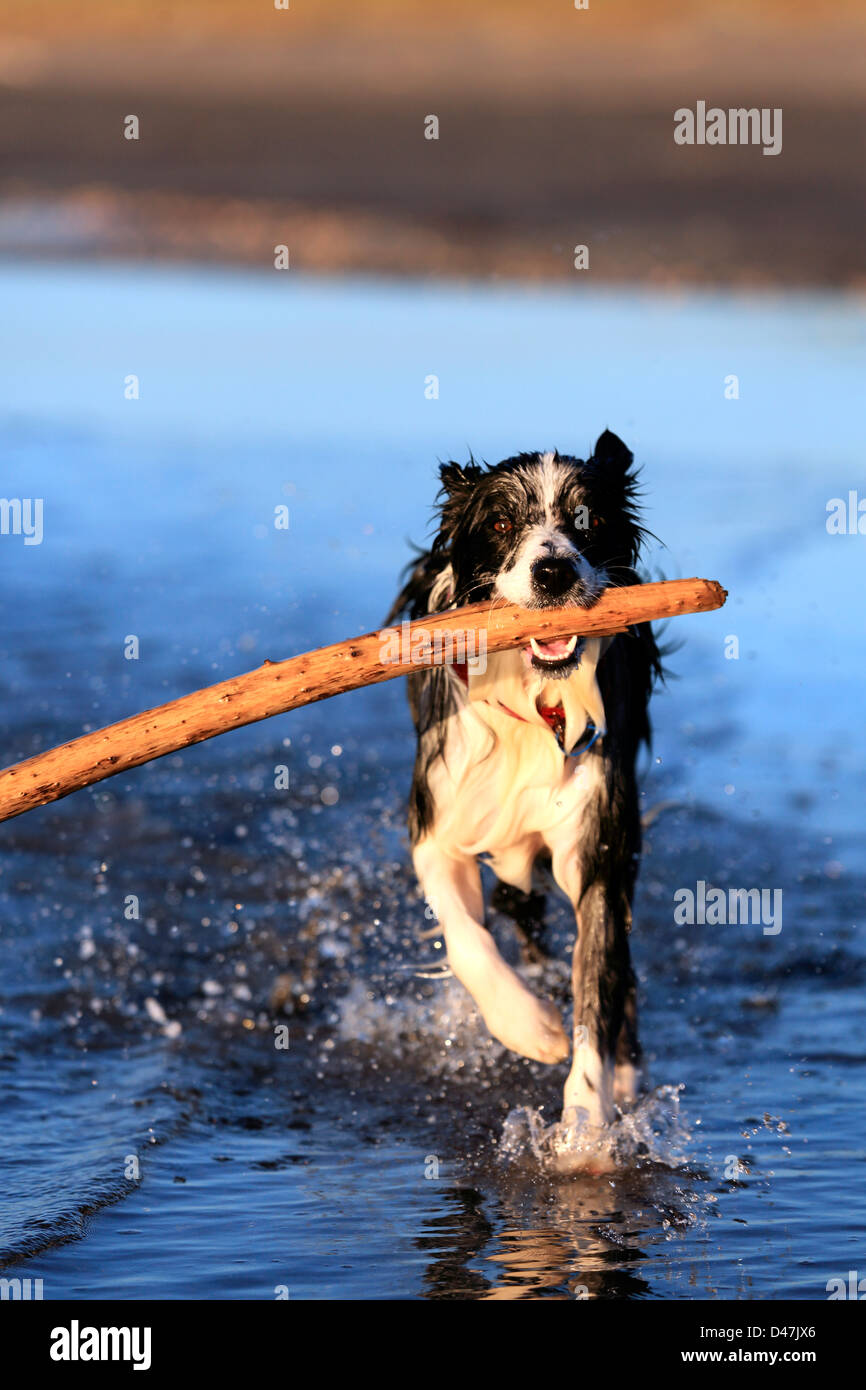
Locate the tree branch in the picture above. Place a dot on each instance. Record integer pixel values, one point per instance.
(377, 656)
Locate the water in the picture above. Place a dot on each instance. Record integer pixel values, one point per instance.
(156, 1141)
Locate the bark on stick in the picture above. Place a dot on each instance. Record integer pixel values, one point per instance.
(276, 687)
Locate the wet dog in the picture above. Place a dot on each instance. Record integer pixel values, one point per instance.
(532, 758)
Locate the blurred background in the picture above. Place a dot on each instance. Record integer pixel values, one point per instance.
(163, 388)
(303, 126)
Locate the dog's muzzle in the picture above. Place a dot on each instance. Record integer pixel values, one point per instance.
(553, 576)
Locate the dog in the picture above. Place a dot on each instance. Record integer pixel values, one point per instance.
(530, 761)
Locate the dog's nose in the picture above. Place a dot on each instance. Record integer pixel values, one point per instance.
(553, 576)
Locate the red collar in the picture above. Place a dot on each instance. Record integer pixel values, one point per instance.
(553, 715)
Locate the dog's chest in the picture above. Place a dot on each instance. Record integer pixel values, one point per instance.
(504, 787)
(509, 796)
(526, 771)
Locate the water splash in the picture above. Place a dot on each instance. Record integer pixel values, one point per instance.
(650, 1134)
(434, 1023)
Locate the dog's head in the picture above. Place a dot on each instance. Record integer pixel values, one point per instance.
(544, 531)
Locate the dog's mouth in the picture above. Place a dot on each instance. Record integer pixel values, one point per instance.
(556, 657)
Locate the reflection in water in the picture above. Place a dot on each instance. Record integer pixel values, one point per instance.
(457, 1239)
(575, 1238)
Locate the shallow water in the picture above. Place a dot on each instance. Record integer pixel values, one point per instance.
(393, 1150)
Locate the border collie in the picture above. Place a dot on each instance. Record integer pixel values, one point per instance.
(531, 761)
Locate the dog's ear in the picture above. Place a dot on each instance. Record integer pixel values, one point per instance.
(611, 454)
(457, 480)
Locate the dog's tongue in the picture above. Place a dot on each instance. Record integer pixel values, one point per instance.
(557, 648)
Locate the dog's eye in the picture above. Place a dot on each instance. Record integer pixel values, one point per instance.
(502, 524)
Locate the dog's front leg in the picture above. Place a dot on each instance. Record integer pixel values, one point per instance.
(523, 1023)
(601, 976)
(627, 1076)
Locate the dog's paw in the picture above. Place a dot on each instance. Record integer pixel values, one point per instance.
(529, 1026)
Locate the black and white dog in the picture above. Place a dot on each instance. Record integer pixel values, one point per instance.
(532, 759)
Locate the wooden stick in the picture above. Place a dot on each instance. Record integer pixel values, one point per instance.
(377, 656)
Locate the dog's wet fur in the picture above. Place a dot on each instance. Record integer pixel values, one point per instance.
(492, 780)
